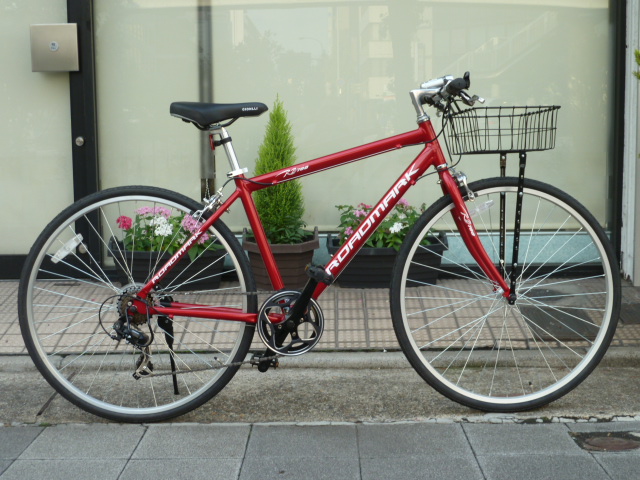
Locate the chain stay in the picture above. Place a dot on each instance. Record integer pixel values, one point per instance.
(224, 293)
(252, 360)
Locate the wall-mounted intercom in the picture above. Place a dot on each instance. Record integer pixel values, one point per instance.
(54, 48)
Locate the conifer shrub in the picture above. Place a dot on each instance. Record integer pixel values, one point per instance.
(280, 207)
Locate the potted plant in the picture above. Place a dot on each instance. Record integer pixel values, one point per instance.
(281, 209)
(373, 264)
(152, 236)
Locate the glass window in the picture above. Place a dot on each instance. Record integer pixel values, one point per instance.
(146, 58)
(343, 70)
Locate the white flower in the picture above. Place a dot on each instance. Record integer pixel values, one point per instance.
(163, 228)
(158, 221)
(397, 227)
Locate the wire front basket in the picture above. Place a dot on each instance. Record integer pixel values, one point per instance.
(502, 129)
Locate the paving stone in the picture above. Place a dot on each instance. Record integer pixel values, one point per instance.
(508, 466)
(193, 441)
(418, 467)
(300, 467)
(104, 468)
(303, 442)
(183, 469)
(619, 465)
(383, 441)
(4, 464)
(520, 439)
(91, 441)
(13, 441)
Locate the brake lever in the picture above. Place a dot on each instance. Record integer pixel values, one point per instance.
(470, 100)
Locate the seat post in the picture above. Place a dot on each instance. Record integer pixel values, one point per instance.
(225, 141)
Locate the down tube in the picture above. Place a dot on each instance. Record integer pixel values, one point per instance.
(356, 241)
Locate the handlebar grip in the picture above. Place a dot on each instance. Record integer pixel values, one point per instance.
(454, 87)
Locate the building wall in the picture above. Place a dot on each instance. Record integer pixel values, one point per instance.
(35, 133)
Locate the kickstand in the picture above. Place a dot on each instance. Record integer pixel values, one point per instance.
(166, 325)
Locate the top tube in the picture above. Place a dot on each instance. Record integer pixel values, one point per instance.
(423, 134)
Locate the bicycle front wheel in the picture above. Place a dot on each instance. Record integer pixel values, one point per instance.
(466, 340)
(85, 269)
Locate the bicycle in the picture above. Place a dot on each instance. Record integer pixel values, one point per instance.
(525, 306)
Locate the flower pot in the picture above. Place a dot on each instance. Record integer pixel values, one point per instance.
(372, 267)
(206, 270)
(291, 259)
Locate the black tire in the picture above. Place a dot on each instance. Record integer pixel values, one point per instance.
(74, 286)
(464, 338)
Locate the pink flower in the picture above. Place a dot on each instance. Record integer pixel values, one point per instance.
(144, 211)
(359, 213)
(165, 212)
(365, 206)
(203, 239)
(124, 222)
(403, 202)
(192, 225)
(348, 231)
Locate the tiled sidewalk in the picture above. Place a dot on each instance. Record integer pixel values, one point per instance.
(355, 320)
(344, 451)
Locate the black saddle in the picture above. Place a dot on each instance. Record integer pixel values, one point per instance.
(204, 114)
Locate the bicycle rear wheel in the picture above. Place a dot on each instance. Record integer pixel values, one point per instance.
(467, 341)
(85, 267)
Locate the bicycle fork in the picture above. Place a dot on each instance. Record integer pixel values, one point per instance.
(469, 234)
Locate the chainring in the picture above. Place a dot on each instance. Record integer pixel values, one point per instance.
(288, 336)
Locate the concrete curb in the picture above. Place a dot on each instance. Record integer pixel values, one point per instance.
(358, 360)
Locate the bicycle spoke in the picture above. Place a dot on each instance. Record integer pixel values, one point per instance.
(500, 354)
(77, 313)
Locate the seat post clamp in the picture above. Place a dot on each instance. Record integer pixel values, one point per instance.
(237, 173)
(222, 141)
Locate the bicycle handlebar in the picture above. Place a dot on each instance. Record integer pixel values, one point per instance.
(454, 87)
(435, 92)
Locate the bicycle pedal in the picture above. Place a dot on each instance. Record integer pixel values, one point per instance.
(263, 363)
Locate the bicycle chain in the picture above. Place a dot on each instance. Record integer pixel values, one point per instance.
(222, 365)
(216, 367)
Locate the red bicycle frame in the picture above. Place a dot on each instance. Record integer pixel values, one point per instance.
(430, 156)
